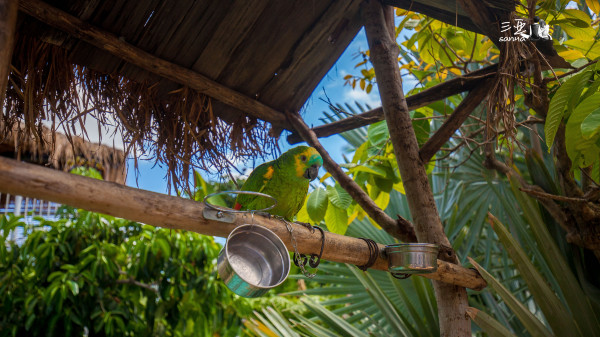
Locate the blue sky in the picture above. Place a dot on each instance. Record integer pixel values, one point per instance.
(152, 177)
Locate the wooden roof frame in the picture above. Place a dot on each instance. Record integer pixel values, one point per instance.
(74, 26)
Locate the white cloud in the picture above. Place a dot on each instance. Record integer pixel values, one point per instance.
(361, 96)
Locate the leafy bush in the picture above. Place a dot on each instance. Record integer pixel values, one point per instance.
(91, 274)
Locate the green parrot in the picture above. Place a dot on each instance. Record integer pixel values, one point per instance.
(286, 179)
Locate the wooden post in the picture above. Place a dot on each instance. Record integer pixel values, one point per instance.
(8, 22)
(167, 211)
(452, 300)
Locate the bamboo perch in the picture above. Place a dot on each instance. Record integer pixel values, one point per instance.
(176, 73)
(167, 211)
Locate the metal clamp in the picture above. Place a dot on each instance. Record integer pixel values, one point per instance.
(301, 260)
(224, 214)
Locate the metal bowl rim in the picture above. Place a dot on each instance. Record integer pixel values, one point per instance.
(276, 242)
(412, 248)
(416, 244)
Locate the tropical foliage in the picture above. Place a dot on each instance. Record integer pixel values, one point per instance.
(97, 275)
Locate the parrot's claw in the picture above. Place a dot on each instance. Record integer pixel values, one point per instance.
(265, 214)
(307, 225)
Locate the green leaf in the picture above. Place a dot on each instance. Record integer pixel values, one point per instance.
(591, 124)
(337, 323)
(382, 302)
(578, 15)
(531, 323)
(421, 127)
(580, 33)
(336, 219)
(165, 247)
(583, 152)
(73, 286)
(316, 205)
(369, 169)
(558, 317)
(565, 98)
(488, 324)
(378, 133)
(574, 295)
(591, 49)
(338, 196)
(29, 322)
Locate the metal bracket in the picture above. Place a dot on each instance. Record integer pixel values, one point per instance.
(213, 214)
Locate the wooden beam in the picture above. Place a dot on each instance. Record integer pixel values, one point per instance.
(166, 211)
(8, 23)
(484, 17)
(453, 17)
(418, 100)
(176, 73)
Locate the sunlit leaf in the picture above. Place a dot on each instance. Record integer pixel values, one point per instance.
(583, 152)
(336, 219)
(316, 205)
(488, 324)
(531, 323)
(338, 196)
(594, 6)
(559, 318)
(591, 124)
(378, 133)
(562, 100)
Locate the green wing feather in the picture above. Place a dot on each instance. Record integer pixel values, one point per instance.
(256, 182)
(283, 180)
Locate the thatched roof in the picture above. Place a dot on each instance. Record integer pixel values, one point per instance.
(266, 55)
(63, 152)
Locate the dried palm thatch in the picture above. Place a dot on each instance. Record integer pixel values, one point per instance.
(58, 151)
(515, 59)
(178, 129)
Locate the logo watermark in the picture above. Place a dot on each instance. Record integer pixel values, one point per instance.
(536, 31)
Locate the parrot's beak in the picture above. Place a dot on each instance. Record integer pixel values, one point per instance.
(311, 172)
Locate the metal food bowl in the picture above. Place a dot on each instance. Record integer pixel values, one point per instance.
(253, 261)
(412, 258)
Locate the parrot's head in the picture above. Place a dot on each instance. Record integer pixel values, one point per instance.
(305, 160)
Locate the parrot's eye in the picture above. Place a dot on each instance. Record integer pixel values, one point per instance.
(303, 158)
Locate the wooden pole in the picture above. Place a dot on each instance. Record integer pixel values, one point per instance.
(452, 300)
(8, 23)
(167, 211)
(176, 73)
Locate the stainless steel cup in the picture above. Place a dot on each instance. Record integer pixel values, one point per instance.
(411, 258)
(253, 261)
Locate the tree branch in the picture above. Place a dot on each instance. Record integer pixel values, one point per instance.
(491, 162)
(576, 70)
(538, 193)
(452, 301)
(132, 281)
(456, 119)
(446, 89)
(401, 229)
